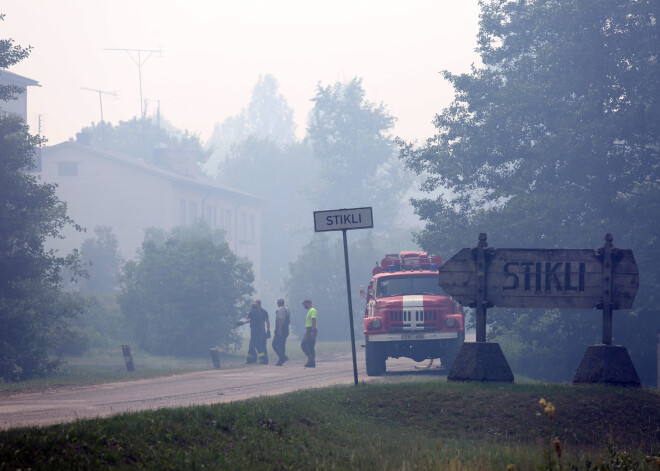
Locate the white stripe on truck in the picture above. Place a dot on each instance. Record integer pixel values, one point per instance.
(413, 303)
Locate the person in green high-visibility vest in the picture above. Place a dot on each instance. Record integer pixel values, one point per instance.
(309, 339)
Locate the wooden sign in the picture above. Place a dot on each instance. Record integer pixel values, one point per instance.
(542, 278)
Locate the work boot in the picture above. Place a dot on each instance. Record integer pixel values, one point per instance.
(310, 365)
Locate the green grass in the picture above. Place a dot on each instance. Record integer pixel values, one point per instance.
(405, 426)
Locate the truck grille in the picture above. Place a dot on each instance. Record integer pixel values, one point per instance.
(400, 316)
(406, 316)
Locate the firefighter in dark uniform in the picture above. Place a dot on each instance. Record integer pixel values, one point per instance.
(257, 349)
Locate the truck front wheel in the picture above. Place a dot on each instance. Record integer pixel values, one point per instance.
(375, 360)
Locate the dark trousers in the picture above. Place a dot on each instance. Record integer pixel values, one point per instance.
(307, 345)
(257, 349)
(279, 345)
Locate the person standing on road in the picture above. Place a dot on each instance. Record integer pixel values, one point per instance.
(309, 339)
(282, 319)
(257, 349)
(264, 313)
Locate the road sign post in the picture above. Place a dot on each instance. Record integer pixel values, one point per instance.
(606, 279)
(344, 220)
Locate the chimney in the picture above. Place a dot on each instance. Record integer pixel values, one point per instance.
(84, 138)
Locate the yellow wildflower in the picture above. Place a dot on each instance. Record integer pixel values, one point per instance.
(549, 410)
(542, 402)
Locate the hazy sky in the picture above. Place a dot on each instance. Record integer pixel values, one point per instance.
(214, 50)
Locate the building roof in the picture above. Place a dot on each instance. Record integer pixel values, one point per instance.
(11, 78)
(197, 180)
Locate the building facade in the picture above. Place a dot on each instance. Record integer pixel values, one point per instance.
(19, 105)
(104, 188)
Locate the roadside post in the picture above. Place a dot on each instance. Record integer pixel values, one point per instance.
(344, 220)
(215, 357)
(128, 358)
(485, 277)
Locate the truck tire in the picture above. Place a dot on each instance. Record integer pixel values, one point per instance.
(375, 360)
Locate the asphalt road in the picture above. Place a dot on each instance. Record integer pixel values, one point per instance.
(204, 387)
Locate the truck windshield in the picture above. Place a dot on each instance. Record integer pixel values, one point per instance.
(405, 285)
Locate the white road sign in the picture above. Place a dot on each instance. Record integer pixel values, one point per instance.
(343, 219)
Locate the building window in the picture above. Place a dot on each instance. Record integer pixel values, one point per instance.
(251, 229)
(242, 231)
(182, 213)
(226, 224)
(67, 169)
(192, 212)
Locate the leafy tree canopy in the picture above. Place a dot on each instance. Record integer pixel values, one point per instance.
(280, 175)
(185, 292)
(34, 308)
(553, 143)
(350, 137)
(267, 116)
(10, 54)
(101, 258)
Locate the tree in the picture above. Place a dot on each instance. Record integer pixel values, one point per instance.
(267, 116)
(101, 258)
(553, 143)
(280, 175)
(34, 307)
(185, 292)
(356, 165)
(10, 54)
(350, 138)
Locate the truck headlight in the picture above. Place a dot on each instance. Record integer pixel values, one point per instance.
(375, 324)
(450, 322)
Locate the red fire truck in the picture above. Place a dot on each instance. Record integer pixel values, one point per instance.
(409, 315)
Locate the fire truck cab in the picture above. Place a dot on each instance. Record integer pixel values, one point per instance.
(409, 315)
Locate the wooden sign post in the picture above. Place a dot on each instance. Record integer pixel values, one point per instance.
(484, 277)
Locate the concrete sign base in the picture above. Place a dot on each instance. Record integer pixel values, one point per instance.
(481, 361)
(607, 364)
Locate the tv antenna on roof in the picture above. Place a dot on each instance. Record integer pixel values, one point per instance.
(101, 92)
(136, 56)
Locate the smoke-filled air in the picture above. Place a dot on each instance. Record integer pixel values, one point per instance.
(161, 164)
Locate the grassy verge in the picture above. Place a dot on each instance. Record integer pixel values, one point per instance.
(404, 426)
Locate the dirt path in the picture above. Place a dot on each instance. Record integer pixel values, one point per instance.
(205, 387)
